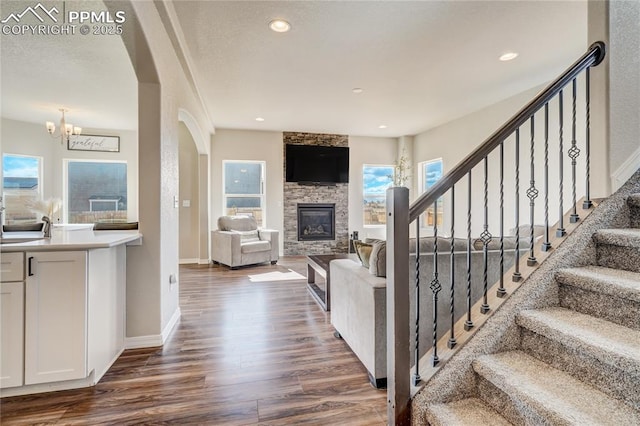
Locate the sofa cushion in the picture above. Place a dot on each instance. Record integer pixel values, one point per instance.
(378, 259)
(255, 246)
(237, 223)
(509, 243)
(444, 244)
(363, 250)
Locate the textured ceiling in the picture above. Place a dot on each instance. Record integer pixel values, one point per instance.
(420, 63)
(90, 75)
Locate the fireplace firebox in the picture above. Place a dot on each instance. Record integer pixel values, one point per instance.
(316, 222)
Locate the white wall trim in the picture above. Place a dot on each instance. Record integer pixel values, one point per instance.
(204, 261)
(150, 341)
(625, 171)
(170, 325)
(188, 261)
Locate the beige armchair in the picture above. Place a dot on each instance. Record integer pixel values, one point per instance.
(239, 242)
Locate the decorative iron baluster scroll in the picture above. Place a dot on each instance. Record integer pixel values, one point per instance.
(435, 286)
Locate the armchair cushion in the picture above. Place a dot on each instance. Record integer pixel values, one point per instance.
(255, 246)
(237, 223)
(248, 236)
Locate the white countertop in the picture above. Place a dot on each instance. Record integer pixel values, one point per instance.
(70, 237)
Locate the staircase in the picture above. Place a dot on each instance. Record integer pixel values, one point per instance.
(574, 363)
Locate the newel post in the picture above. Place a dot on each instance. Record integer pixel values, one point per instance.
(398, 352)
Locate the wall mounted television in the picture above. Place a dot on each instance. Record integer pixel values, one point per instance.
(319, 165)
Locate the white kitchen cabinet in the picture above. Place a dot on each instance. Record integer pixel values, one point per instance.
(12, 320)
(55, 316)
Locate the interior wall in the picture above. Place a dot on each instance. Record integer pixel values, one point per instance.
(250, 145)
(366, 150)
(163, 91)
(624, 86)
(189, 197)
(20, 137)
(455, 140)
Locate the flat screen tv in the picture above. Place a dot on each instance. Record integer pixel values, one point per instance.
(311, 164)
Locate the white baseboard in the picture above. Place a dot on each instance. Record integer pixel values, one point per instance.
(625, 171)
(204, 262)
(188, 261)
(151, 341)
(171, 324)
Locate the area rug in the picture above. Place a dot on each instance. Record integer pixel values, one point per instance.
(276, 276)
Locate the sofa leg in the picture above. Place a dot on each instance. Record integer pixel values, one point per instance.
(273, 262)
(337, 335)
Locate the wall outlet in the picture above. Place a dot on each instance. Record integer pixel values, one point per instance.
(186, 203)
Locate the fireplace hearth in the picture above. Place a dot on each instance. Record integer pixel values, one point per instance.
(316, 222)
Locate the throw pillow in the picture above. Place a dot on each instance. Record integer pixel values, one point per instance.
(363, 250)
(378, 259)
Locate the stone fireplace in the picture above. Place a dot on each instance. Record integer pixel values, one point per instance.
(316, 241)
(316, 222)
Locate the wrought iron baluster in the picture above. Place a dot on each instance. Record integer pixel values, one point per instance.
(546, 246)
(452, 339)
(501, 291)
(574, 152)
(416, 376)
(561, 232)
(532, 193)
(435, 285)
(468, 324)
(517, 276)
(587, 204)
(485, 236)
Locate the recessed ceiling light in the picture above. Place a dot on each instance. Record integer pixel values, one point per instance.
(279, 25)
(508, 56)
(357, 90)
(259, 119)
(382, 126)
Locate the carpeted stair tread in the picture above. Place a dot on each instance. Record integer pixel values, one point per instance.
(624, 237)
(614, 282)
(634, 200)
(610, 343)
(557, 396)
(466, 412)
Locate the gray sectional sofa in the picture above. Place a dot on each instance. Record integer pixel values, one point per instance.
(358, 298)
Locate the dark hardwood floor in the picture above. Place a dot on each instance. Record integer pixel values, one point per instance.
(243, 353)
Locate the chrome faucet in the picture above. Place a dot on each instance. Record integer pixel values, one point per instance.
(46, 229)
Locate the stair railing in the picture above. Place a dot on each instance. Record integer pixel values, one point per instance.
(405, 338)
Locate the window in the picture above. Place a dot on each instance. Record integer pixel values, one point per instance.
(22, 182)
(376, 180)
(430, 172)
(96, 191)
(244, 189)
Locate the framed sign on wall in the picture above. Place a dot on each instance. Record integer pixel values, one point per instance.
(94, 143)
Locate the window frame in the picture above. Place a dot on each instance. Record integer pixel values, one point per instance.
(369, 195)
(65, 183)
(40, 191)
(422, 182)
(263, 188)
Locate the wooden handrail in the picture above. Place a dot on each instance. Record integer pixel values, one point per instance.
(594, 55)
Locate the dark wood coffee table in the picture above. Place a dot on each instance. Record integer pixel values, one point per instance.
(320, 264)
